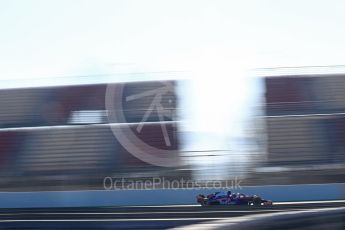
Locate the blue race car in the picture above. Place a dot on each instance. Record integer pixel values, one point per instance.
(228, 198)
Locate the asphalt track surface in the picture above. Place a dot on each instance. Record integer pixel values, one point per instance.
(138, 217)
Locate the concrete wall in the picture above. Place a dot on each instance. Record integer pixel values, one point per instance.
(163, 197)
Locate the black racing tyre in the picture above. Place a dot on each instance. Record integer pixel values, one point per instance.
(257, 201)
(205, 202)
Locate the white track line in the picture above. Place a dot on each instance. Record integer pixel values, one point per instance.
(148, 212)
(311, 202)
(274, 203)
(113, 220)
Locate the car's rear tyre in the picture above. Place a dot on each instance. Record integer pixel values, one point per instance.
(257, 201)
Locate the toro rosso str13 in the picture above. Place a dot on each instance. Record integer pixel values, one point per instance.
(228, 198)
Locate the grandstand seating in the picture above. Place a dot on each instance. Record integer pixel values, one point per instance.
(41, 146)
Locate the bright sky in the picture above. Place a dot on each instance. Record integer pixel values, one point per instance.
(212, 42)
(63, 37)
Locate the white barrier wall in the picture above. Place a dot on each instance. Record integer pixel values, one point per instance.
(99, 198)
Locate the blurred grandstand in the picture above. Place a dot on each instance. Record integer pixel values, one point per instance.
(59, 137)
(305, 125)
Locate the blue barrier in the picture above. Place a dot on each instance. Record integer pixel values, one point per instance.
(97, 198)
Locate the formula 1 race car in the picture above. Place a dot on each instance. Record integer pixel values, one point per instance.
(228, 198)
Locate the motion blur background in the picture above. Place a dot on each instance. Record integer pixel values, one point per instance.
(238, 111)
